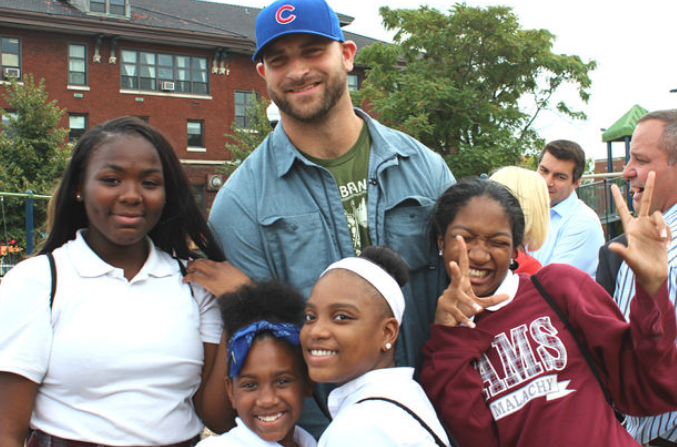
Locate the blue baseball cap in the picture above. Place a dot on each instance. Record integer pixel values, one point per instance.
(295, 16)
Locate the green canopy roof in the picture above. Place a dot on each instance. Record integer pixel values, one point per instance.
(625, 125)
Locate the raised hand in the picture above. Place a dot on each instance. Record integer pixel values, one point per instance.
(458, 302)
(648, 239)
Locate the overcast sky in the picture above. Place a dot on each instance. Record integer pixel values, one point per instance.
(633, 42)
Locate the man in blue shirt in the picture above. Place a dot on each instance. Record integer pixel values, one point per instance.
(575, 233)
(329, 180)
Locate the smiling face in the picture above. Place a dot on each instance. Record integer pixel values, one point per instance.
(346, 329)
(559, 177)
(268, 392)
(123, 193)
(647, 155)
(486, 229)
(306, 75)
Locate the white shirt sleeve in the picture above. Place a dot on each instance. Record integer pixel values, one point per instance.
(26, 319)
(211, 324)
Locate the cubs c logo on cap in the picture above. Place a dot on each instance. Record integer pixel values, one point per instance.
(284, 15)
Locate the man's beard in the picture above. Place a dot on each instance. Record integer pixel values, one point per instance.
(333, 93)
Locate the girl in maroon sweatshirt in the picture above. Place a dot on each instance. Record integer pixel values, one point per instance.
(501, 368)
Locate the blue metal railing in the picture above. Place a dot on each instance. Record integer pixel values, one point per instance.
(10, 261)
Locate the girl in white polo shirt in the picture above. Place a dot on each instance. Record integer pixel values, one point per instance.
(352, 318)
(111, 348)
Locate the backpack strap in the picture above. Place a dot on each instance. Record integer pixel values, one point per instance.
(584, 350)
(437, 439)
(52, 268)
(183, 273)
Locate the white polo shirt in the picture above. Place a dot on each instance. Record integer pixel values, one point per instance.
(242, 436)
(377, 423)
(118, 361)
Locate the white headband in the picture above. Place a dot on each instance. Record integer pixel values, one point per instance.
(377, 277)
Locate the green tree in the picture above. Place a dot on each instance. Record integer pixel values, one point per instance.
(462, 82)
(33, 153)
(243, 140)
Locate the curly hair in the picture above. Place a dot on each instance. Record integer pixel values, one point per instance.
(268, 300)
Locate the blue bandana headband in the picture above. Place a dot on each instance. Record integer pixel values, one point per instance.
(241, 342)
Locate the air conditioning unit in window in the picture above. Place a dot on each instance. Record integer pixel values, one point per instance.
(10, 72)
(214, 182)
(167, 86)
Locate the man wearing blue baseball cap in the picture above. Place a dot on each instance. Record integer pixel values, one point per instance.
(329, 180)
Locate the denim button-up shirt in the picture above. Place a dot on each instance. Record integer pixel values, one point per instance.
(280, 216)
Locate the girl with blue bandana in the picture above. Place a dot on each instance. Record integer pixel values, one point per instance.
(267, 379)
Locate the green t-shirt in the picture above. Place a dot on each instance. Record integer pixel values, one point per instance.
(350, 171)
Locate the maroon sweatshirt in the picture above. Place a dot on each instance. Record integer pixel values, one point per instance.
(519, 379)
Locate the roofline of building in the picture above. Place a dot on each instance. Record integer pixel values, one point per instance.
(93, 26)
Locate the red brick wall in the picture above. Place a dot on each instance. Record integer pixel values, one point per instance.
(45, 55)
(602, 164)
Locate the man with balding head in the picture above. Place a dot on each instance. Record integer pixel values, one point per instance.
(653, 148)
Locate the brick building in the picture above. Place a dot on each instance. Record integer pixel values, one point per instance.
(601, 165)
(183, 65)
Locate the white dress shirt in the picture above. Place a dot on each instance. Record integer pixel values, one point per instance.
(376, 423)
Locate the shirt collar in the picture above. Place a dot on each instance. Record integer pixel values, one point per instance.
(247, 437)
(670, 214)
(367, 385)
(566, 206)
(89, 265)
(509, 286)
(285, 153)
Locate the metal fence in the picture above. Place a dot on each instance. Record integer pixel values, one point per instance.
(5, 265)
(595, 191)
(9, 261)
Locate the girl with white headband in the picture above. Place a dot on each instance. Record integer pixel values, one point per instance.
(352, 320)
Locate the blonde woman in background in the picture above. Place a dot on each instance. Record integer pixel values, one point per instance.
(532, 193)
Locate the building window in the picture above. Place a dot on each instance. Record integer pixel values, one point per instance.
(353, 82)
(77, 64)
(108, 6)
(196, 137)
(77, 125)
(242, 101)
(116, 7)
(142, 70)
(97, 5)
(10, 57)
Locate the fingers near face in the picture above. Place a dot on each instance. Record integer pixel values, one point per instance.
(621, 206)
(645, 204)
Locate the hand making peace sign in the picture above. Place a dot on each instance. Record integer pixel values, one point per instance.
(458, 302)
